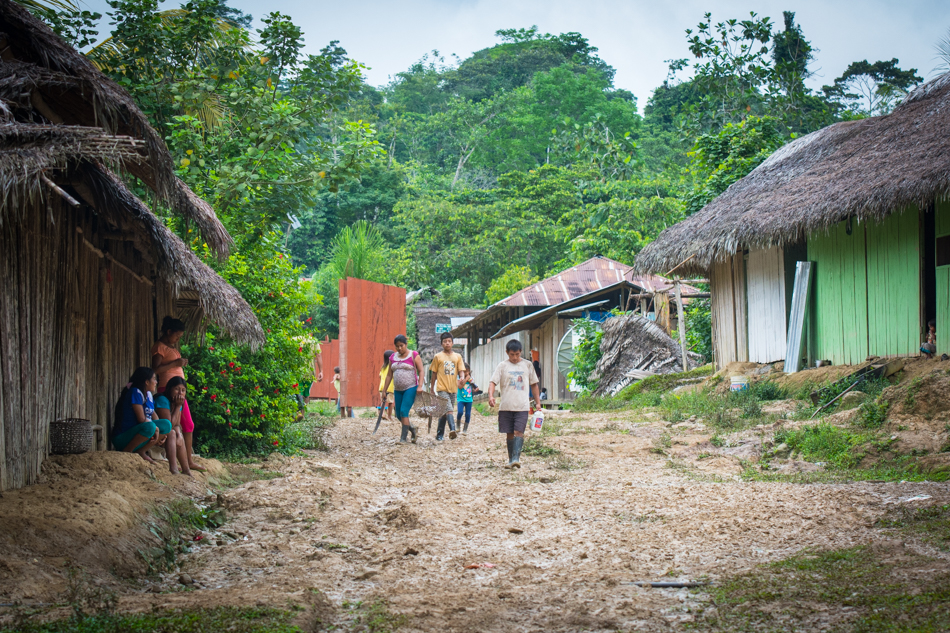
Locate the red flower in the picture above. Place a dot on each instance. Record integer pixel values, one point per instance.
(204, 388)
(275, 442)
(309, 319)
(279, 256)
(231, 386)
(224, 372)
(257, 386)
(238, 369)
(229, 424)
(211, 348)
(252, 410)
(213, 397)
(276, 390)
(268, 329)
(262, 416)
(299, 349)
(295, 385)
(229, 413)
(231, 365)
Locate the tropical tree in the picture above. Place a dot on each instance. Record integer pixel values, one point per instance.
(360, 252)
(868, 89)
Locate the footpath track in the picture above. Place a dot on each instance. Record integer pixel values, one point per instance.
(454, 542)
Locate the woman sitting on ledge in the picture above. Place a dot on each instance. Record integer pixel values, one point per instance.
(137, 427)
(168, 406)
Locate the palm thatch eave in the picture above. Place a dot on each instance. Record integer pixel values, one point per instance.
(93, 100)
(865, 170)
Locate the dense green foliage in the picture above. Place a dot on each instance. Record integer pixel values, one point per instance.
(472, 176)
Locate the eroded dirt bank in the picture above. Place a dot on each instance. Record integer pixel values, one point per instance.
(555, 542)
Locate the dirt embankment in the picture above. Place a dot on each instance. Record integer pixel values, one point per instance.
(89, 511)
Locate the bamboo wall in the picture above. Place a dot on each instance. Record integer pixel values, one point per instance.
(77, 316)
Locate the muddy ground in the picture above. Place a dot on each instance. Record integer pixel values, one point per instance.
(374, 519)
(454, 542)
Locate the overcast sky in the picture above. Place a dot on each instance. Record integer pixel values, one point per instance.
(634, 36)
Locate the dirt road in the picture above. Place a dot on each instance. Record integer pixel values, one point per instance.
(558, 541)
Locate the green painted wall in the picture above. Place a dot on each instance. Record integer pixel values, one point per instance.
(839, 326)
(866, 290)
(943, 283)
(893, 256)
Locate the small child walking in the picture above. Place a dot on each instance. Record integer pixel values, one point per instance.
(514, 377)
(388, 403)
(465, 396)
(345, 412)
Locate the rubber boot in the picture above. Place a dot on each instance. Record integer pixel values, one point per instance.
(412, 430)
(405, 432)
(511, 444)
(465, 430)
(452, 432)
(517, 443)
(440, 430)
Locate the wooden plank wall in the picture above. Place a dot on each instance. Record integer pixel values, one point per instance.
(485, 358)
(330, 350)
(73, 327)
(840, 332)
(893, 285)
(942, 223)
(371, 316)
(765, 286)
(727, 281)
(546, 340)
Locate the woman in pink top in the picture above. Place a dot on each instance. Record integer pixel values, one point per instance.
(167, 363)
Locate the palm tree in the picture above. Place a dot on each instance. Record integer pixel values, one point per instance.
(943, 54)
(359, 251)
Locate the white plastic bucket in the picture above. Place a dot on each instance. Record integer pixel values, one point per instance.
(740, 383)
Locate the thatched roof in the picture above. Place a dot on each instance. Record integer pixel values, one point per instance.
(863, 169)
(44, 154)
(41, 72)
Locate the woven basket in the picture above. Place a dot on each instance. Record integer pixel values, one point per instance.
(70, 436)
(430, 406)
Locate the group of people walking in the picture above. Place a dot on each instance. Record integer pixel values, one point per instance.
(152, 411)
(515, 379)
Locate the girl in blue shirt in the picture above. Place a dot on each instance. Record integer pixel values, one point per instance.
(137, 428)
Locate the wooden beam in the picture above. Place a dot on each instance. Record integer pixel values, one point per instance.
(52, 185)
(681, 317)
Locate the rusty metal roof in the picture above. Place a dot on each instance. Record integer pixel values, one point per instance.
(594, 274)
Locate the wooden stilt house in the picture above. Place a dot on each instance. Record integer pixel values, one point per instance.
(867, 203)
(87, 271)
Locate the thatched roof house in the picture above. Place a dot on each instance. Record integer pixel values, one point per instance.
(866, 202)
(88, 269)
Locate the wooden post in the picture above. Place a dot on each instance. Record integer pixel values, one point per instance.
(682, 321)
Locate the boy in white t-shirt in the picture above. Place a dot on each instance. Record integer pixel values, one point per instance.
(514, 377)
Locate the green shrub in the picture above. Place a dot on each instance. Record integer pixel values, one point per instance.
(825, 443)
(586, 354)
(873, 413)
(243, 400)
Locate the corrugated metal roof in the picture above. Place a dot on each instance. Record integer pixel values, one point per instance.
(594, 274)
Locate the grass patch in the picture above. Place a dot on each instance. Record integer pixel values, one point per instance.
(373, 617)
(535, 447)
(174, 524)
(308, 434)
(860, 589)
(931, 523)
(237, 620)
(483, 409)
(833, 445)
(643, 393)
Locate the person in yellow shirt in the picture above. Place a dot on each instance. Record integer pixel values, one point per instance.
(446, 368)
(390, 403)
